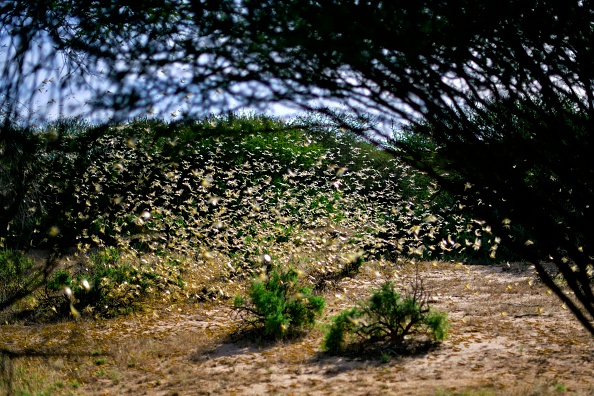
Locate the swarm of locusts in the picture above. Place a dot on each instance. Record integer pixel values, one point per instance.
(236, 195)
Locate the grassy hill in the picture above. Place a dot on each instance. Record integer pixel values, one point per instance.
(155, 206)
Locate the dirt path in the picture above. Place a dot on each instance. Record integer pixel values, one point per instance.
(508, 336)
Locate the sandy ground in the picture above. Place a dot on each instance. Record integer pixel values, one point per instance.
(508, 336)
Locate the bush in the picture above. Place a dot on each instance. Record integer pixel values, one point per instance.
(279, 306)
(387, 317)
(239, 185)
(110, 285)
(16, 275)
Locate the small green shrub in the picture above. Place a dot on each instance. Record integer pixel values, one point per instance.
(279, 306)
(60, 279)
(16, 274)
(110, 285)
(387, 317)
(342, 324)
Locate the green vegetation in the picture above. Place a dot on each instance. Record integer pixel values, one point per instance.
(222, 191)
(15, 273)
(279, 305)
(150, 186)
(109, 285)
(506, 104)
(493, 142)
(388, 318)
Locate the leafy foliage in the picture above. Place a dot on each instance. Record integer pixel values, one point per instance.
(478, 78)
(16, 271)
(529, 183)
(388, 318)
(224, 191)
(279, 305)
(144, 184)
(110, 283)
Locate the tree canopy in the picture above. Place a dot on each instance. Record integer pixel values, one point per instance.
(501, 91)
(403, 60)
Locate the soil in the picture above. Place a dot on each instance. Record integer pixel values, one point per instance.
(508, 336)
